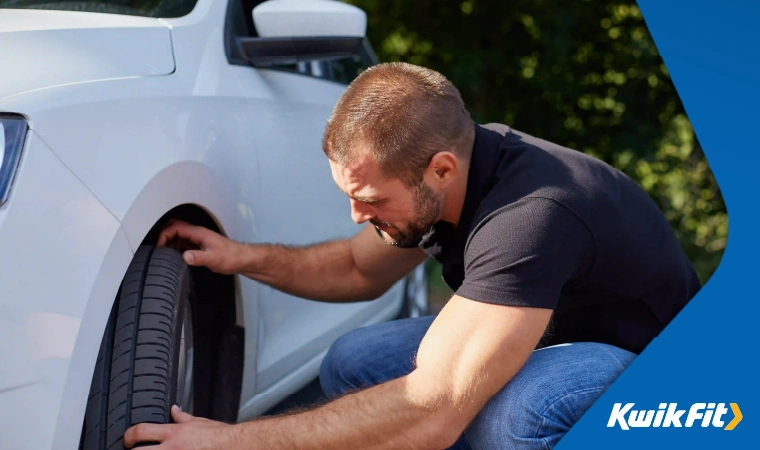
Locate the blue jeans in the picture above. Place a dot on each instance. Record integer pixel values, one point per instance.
(533, 411)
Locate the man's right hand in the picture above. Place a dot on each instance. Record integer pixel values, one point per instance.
(203, 247)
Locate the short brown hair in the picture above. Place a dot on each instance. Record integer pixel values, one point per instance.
(403, 115)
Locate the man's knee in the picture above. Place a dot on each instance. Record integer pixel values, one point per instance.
(372, 355)
(337, 374)
(547, 397)
(530, 420)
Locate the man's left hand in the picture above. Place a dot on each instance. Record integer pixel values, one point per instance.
(187, 433)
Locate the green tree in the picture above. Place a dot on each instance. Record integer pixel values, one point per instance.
(585, 75)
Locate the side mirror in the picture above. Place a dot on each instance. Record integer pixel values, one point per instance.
(308, 18)
(291, 31)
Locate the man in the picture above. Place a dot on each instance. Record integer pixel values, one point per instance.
(564, 269)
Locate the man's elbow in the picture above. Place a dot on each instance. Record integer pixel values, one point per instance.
(369, 289)
(364, 294)
(445, 428)
(445, 417)
(356, 288)
(375, 293)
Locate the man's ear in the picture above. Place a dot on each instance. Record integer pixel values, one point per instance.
(442, 170)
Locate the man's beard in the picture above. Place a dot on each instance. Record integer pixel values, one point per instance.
(427, 209)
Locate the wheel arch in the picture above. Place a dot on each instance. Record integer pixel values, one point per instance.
(195, 192)
(225, 284)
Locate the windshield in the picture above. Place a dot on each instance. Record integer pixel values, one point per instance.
(146, 8)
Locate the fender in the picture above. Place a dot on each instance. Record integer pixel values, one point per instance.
(162, 193)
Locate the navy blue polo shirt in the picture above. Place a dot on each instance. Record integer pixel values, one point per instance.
(549, 227)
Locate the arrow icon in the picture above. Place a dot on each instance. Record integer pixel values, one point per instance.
(737, 417)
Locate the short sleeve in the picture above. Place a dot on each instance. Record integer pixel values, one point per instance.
(524, 253)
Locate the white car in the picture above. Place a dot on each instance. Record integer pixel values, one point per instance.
(117, 116)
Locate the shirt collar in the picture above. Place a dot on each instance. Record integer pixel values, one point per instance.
(444, 242)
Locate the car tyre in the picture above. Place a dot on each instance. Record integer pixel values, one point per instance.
(145, 362)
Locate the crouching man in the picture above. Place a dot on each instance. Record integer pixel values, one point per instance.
(563, 268)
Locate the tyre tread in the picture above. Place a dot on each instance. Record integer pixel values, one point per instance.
(132, 377)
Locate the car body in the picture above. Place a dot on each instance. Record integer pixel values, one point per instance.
(130, 118)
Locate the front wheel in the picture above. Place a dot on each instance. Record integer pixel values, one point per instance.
(146, 359)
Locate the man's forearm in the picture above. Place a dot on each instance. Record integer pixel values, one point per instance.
(389, 416)
(324, 272)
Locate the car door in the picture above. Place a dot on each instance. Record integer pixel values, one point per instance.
(298, 204)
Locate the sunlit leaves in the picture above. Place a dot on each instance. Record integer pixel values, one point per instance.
(401, 45)
(530, 26)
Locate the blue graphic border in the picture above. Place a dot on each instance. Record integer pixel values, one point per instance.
(708, 353)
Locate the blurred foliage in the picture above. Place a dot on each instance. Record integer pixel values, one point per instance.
(582, 74)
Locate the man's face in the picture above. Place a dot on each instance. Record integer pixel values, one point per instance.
(402, 214)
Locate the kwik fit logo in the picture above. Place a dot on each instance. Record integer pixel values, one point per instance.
(668, 415)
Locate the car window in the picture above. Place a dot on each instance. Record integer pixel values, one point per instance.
(147, 8)
(344, 70)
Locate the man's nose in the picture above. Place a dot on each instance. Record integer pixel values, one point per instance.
(361, 212)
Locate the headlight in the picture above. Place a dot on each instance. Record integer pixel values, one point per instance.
(12, 134)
